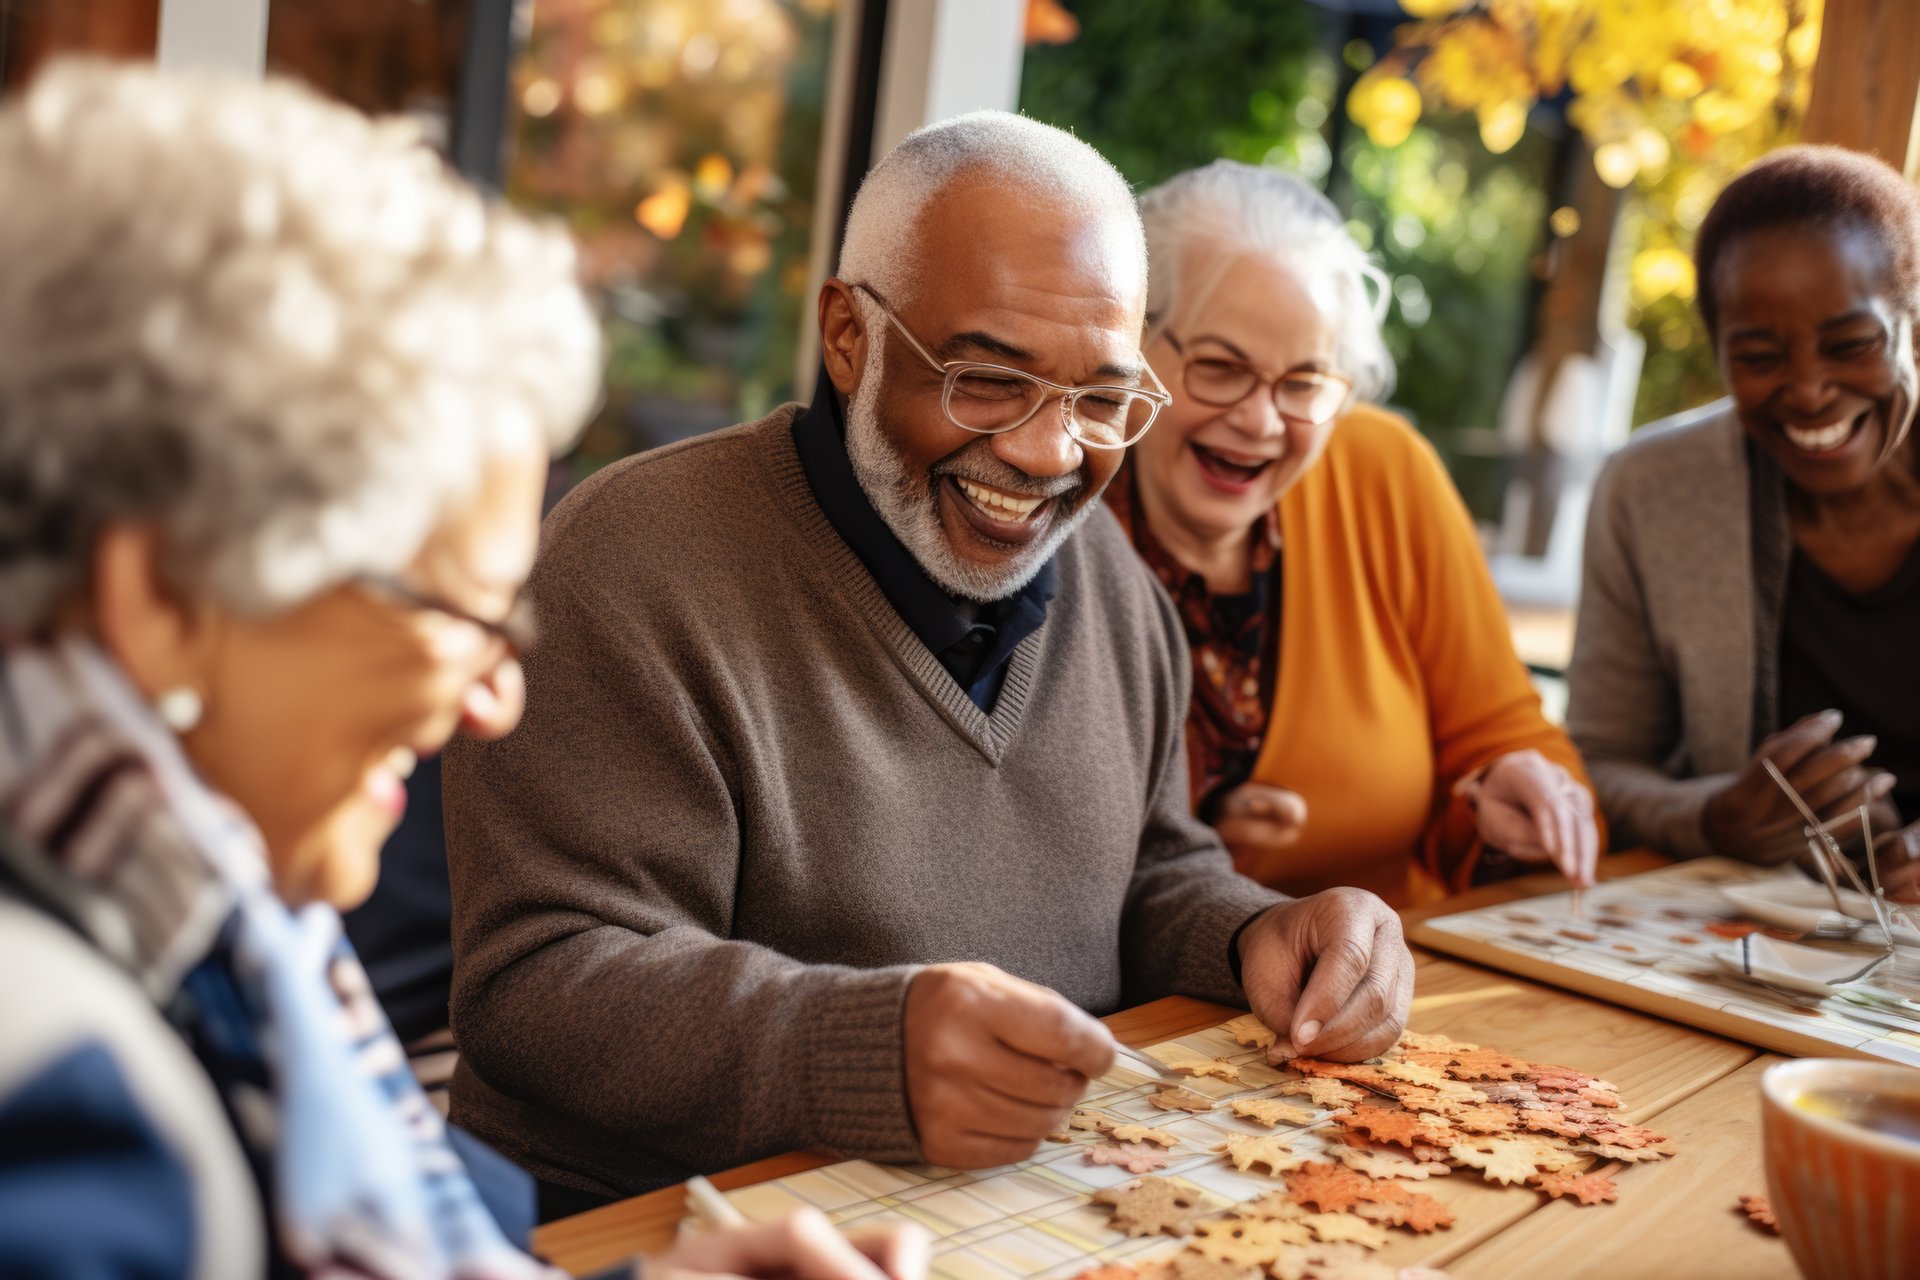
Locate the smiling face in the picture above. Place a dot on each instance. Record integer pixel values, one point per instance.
(1817, 353)
(1207, 473)
(316, 715)
(1035, 284)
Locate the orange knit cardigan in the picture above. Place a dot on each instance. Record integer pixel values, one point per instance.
(1397, 675)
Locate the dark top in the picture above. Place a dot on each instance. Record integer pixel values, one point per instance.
(1855, 653)
(404, 931)
(973, 641)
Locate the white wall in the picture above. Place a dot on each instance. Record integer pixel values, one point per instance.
(944, 58)
(214, 35)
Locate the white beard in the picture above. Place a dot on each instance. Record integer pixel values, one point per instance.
(910, 505)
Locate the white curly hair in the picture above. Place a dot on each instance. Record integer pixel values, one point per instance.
(1219, 211)
(285, 335)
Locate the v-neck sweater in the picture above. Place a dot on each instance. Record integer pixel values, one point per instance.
(747, 804)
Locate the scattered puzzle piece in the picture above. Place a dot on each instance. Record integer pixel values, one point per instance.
(1333, 1188)
(1404, 1128)
(1345, 1228)
(1378, 1160)
(1587, 1188)
(1418, 1212)
(1510, 1160)
(1141, 1133)
(1271, 1112)
(1152, 1206)
(1248, 1242)
(1251, 1032)
(1092, 1121)
(1322, 1092)
(1189, 1264)
(1111, 1271)
(1759, 1211)
(1268, 1149)
(1134, 1157)
(1627, 1155)
(1173, 1098)
(1413, 1073)
(1202, 1067)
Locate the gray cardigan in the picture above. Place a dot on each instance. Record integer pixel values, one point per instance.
(1675, 672)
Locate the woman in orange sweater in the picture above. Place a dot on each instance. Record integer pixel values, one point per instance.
(1358, 714)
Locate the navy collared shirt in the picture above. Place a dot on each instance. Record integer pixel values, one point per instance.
(973, 641)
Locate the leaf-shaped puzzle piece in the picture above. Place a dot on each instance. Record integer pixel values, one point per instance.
(1191, 1265)
(1759, 1211)
(1248, 1242)
(1322, 1092)
(1404, 1128)
(1152, 1206)
(1333, 1188)
(1418, 1212)
(1271, 1112)
(1415, 1041)
(1248, 1150)
(1201, 1067)
(1587, 1188)
(1552, 1120)
(1110, 1271)
(1345, 1228)
(1251, 1032)
(1626, 1155)
(1141, 1133)
(1412, 1073)
(1510, 1160)
(1092, 1121)
(1134, 1157)
(1379, 1160)
(1485, 1064)
(1332, 1262)
(1173, 1098)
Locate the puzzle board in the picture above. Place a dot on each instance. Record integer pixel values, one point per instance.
(1647, 942)
(1036, 1218)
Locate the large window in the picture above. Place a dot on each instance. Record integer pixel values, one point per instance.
(681, 140)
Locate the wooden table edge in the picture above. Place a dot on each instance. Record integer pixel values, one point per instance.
(645, 1222)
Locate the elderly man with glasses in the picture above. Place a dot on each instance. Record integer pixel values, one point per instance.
(852, 781)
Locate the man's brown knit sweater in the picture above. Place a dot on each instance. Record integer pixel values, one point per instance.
(747, 803)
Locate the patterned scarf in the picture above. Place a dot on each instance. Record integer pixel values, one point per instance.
(155, 868)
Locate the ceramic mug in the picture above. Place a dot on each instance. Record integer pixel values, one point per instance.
(1847, 1198)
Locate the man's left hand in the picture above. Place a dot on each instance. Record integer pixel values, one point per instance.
(1332, 970)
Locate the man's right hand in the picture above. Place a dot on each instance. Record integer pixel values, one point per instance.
(994, 1064)
(1752, 819)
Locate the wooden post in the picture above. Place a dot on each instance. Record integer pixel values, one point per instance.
(1866, 84)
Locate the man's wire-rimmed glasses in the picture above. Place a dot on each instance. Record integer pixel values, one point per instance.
(990, 398)
(1304, 397)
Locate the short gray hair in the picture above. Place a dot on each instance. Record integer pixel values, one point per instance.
(880, 248)
(1231, 208)
(285, 335)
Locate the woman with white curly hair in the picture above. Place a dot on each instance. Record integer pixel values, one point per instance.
(1358, 714)
(277, 395)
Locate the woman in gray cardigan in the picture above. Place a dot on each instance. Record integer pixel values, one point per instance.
(1752, 585)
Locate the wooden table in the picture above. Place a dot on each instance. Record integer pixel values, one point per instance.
(1676, 1218)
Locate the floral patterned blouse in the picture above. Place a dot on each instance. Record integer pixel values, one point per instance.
(1232, 639)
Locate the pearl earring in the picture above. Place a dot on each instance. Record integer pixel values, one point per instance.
(179, 708)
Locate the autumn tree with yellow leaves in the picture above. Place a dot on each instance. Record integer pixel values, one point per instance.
(1672, 96)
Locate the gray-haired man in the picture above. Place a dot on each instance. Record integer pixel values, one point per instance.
(852, 779)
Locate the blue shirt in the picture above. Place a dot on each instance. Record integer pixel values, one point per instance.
(973, 641)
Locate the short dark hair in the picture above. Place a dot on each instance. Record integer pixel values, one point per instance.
(1809, 188)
